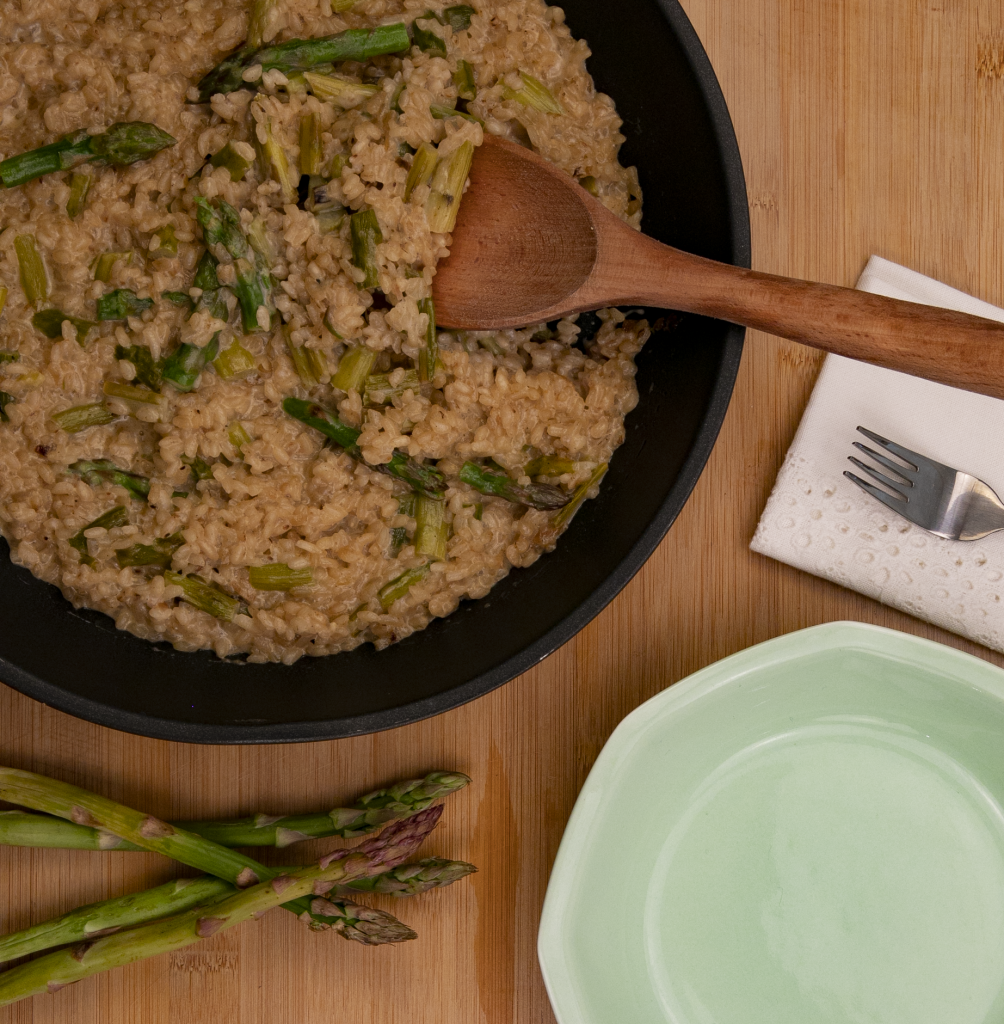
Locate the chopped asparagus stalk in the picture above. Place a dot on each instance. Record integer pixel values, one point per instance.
(114, 517)
(459, 19)
(121, 304)
(407, 506)
(258, 19)
(148, 370)
(534, 94)
(549, 465)
(80, 417)
(329, 218)
(338, 163)
(105, 263)
(129, 393)
(441, 112)
(337, 6)
(564, 516)
(157, 555)
(252, 291)
(447, 188)
(409, 879)
(431, 528)
(279, 163)
(260, 242)
(309, 363)
(5, 400)
(238, 436)
(50, 323)
(366, 236)
(356, 44)
(164, 242)
(183, 367)
(80, 185)
(179, 299)
(423, 163)
(590, 184)
(205, 273)
(479, 511)
(9, 357)
(339, 91)
(121, 144)
(236, 157)
(430, 351)
(34, 280)
(201, 469)
(400, 585)
(540, 496)
(279, 576)
(103, 471)
(354, 368)
(463, 77)
(311, 150)
(380, 391)
(424, 479)
(207, 597)
(220, 227)
(235, 361)
(427, 40)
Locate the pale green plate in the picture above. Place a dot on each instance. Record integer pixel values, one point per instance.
(809, 832)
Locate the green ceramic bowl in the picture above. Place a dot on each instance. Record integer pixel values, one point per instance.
(809, 832)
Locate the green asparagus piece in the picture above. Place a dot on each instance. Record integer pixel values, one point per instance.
(121, 144)
(238, 436)
(549, 465)
(258, 21)
(207, 597)
(380, 391)
(105, 263)
(183, 366)
(368, 925)
(409, 879)
(459, 19)
(103, 471)
(120, 304)
(541, 496)
(431, 528)
(329, 217)
(5, 400)
(200, 468)
(236, 157)
(427, 40)
(430, 351)
(117, 516)
(425, 480)
(130, 393)
(3, 299)
(311, 150)
(564, 516)
(166, 244)
(374, 856)
(148, 370)
(205, 272)
(279, 163)
(423, 163)
(279, 576)
(179, 299)
(400, 585)
(338, 90)
(366, 236)
(441, 112)
(463, 78)
(234, 361)
(50, 323)
(8, 356)
(357, 44)
(446, 188)
(309, 363)
(80, 185)
(354, 368)
(95, 414)
(534, 94)
(366, 815)
(157, 555)
(399, 534)
(34, 280)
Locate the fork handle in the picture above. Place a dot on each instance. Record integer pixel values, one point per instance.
(942, 345)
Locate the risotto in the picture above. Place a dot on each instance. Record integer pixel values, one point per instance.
(228, 418)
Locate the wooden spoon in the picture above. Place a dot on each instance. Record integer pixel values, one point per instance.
(532, 245)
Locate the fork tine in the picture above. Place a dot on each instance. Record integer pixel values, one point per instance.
(913, 458)
(883, 461)
(893, 485)
(898, 505)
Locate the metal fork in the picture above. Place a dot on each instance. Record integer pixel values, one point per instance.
(935, 497)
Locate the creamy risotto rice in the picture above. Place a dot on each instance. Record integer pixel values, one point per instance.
(148, 467)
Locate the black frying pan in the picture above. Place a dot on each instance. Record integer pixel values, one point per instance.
(648, 58)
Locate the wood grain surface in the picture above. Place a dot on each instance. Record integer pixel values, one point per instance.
(866, 126)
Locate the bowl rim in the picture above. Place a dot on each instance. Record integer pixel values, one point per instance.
(155, 727)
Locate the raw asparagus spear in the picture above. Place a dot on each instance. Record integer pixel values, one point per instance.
(303, 54)
(374, 856)
(409, 879)
(426, 480)
(541, 496)
(366, 815)
(123, 143)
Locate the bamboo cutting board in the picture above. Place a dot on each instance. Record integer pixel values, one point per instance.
(866, 126)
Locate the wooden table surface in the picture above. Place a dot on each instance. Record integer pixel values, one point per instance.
(866, 126)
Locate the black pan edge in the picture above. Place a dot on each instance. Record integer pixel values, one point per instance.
(558, 635)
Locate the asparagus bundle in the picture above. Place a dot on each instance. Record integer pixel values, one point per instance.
(373, 856)
(123, 143)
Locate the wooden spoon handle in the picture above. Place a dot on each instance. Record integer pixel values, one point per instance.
(942, 345)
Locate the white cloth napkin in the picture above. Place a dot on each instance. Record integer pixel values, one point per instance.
(818, 520)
